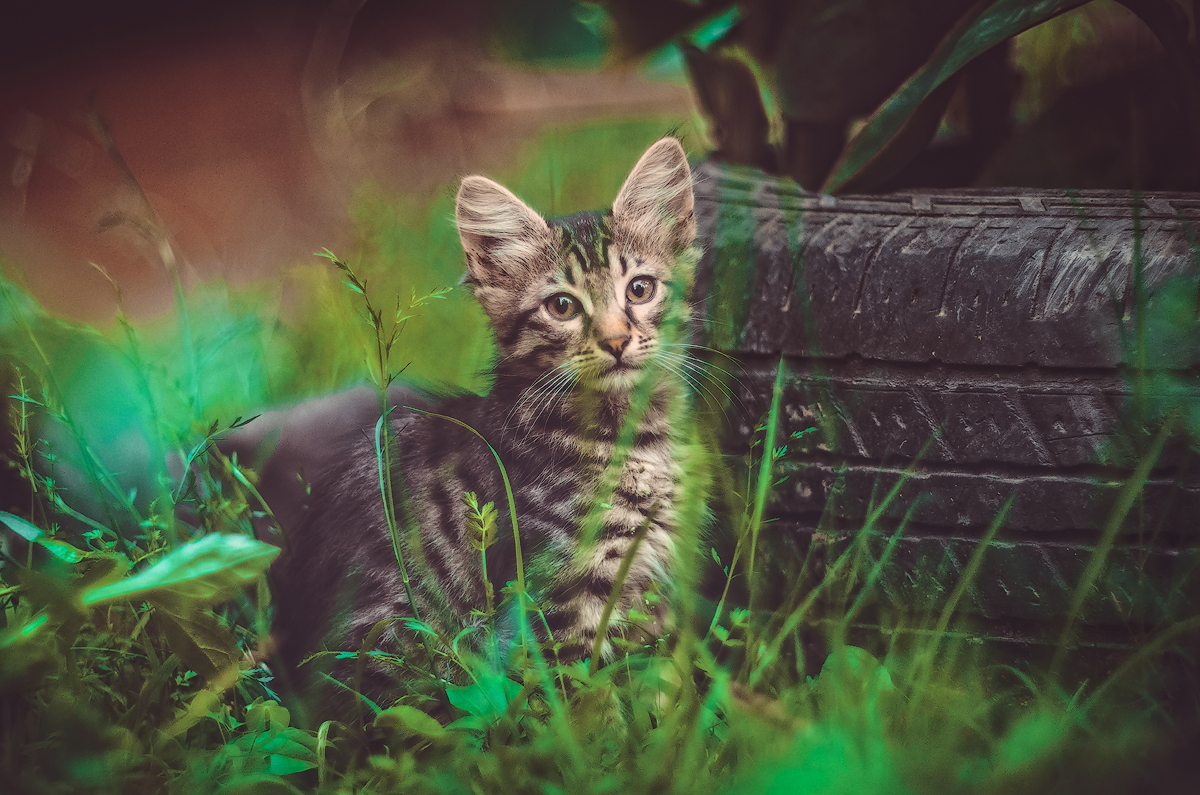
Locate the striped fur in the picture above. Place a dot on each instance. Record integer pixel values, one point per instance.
(562, 394)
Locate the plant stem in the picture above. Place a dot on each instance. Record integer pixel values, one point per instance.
(763, 486)
(508, 493)
(614, 594)
(384, 465)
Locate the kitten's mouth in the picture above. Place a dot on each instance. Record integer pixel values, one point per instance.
(622, 371)
(619, 376)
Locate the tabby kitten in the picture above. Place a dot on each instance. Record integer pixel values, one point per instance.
(580, 307)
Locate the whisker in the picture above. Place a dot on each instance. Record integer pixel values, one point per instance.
(705, 348)
(691, 380)
(546, 381)
(562, 387)
(709, 322)
(563, 392)
(698, 368)
(548, 390)
(706, 363)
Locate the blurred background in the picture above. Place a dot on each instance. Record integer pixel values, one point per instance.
(258, 130)
(263, 131)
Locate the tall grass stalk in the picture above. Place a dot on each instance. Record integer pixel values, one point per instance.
(382, 375)
(614, 594)
(150, 227)
(873, 575)
(764, 483)
(770, 651)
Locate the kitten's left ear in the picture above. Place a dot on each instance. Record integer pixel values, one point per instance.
(656, 203)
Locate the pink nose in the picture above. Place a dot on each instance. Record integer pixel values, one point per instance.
(615, 345)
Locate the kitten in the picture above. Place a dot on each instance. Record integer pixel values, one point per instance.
(584, 309)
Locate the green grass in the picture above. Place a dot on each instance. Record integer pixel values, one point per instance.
(135, 625)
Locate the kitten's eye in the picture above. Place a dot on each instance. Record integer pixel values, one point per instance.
(641, 289)
(562, 306)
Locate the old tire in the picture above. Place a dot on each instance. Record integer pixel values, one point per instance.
(977, 341)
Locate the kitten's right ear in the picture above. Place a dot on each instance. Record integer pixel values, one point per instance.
(500, 234)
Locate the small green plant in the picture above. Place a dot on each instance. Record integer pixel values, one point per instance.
(481, 524)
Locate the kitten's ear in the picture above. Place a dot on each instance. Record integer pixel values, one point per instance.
(656, 203)
(500, 234)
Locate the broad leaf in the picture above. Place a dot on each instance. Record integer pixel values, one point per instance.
(205, 645)
(34, 534)
(487, 699)
(908, 142)
(267, 716)
(204, 571)
(291, 743)
(202, 703)
(281, 765)
(982, 28)
(407, 720)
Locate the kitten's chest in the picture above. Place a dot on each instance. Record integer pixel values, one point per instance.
(629, 485)
(649, 475)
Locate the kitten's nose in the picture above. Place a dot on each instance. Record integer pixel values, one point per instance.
(615, 345)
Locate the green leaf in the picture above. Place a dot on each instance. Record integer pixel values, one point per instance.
(1035, 735)
(24, 529)
(710, 32)
(981, 29)
(322, 748)
(465, 631)
(468, 723)
(204, 571)
(205, 645)
(281, 765)
(267, 716)
(420, 626)
(34, 534)
(487, 699)
(908, 142)
(408, 720)
(202, 703)
(722, 635)
(481, 522)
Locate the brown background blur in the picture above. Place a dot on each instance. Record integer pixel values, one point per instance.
(248, 125)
